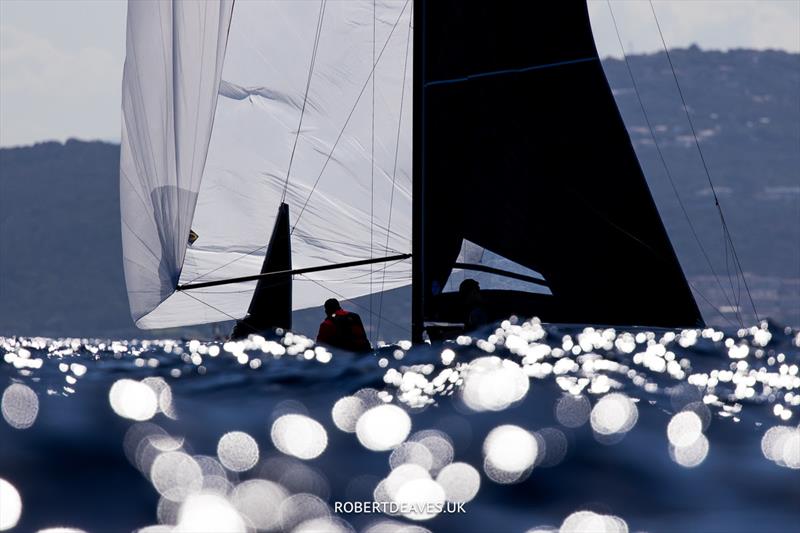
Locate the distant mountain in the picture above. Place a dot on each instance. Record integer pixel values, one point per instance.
(745, 106)
(60, 248)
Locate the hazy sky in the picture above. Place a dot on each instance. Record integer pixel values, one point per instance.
(61, 60)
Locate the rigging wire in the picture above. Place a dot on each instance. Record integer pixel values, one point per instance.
(317, 34)
(725, 228)
(394, 169)
(663, 161)
(354, 277)
(737, 297)
(305, 96)
(714, 307)
(229, 263)
(251, 252)
(193, 297)
(349, 116)
(351, 300)
(372, 168)
(305, 235)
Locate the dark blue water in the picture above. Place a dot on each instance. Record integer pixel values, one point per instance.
(535, 427)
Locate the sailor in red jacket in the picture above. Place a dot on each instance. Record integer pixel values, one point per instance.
(342, 329)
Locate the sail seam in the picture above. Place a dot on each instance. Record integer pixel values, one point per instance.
(189, 206)
(504, 72)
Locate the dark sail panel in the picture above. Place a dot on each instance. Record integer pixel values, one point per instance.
(520, 148)
(271, 306)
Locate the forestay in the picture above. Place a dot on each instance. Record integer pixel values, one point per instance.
(213, 96)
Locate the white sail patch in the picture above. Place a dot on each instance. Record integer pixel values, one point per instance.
(473, 254)
(169, 91)
(345, 171)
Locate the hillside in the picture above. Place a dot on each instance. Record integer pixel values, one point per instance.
(746, 112)
(60, 250)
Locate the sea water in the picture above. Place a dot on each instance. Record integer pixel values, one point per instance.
(519, 427)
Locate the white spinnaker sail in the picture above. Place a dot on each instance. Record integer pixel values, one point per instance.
(349, 190)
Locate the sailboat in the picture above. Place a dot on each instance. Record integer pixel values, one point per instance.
(275, 154)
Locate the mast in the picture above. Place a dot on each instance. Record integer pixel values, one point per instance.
(417, 167)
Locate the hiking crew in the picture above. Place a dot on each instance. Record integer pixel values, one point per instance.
(342, 329)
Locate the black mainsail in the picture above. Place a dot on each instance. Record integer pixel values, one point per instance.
(519, 148)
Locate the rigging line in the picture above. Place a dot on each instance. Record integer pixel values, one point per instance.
(372, 169)
(238, 321)
(305, 235)
(703, 161)
(385, 266)
(330, 155)
(189, 206)
(738, 289)
(274, 273)
(229, 263)
(470, 77)
(251, 252)
(735, 306)
(714, 307)
(394, 169)
(305, 96)
(211, 306)
(351, 300)
(306, 277)
(727, 238)
(661, 155)
(349, 116)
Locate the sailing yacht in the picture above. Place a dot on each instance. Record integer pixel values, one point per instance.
(276, 154)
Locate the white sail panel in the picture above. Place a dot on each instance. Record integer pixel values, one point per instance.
(172, 69)
(344, 197)
(473, 254)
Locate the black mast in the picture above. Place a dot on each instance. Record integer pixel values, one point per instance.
(418, 151)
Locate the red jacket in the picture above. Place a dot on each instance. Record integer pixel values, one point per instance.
(344, 330)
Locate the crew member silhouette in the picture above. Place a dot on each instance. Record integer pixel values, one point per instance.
(342, 329)
(473, 312)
